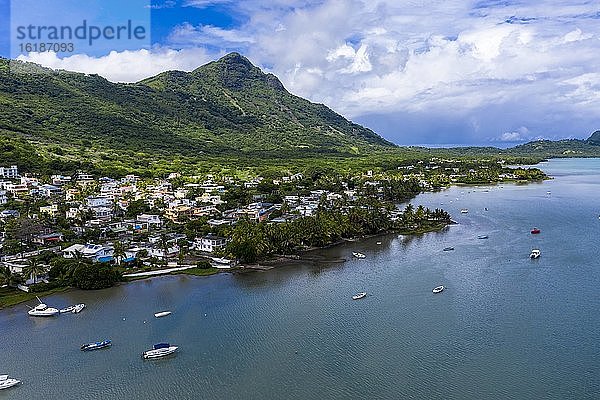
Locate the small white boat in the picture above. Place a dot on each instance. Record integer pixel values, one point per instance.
(159, 350)
(448, 248)
(358, 255)
(438, 289)
(464, 210)
(482, 237)
(77, 308)
(67, 309)
(378, 243)
(6, 382)
(73, 309)
(535, 253)
(42, 310)
(162, 314)
(359, 296)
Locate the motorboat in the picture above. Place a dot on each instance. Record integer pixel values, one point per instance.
(438, 289)
(448, 248)
(482, 237)
(359, 296)
(464, 210)
(162, 314)
(77, 308)
(535, 231)
(67, 309)
(378, 243)
(535, 253)
(159, 350)
(42, 310)
(358, 255)
(96, 345)
(73, 309)
(6, 382)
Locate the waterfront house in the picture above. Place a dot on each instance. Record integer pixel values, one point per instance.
(95, 252)
(210, 243)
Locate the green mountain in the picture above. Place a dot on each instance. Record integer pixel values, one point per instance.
(559, 148)
(594, 139)
(225, 107)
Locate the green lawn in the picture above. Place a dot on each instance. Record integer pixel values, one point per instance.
(198, 271)
(11, 296)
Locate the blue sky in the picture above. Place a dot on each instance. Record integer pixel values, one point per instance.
(415, 71)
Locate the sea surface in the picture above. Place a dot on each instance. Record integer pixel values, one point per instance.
(506, 327)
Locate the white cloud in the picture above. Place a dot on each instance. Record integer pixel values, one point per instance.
(126, 66)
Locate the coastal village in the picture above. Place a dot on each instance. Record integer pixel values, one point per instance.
(177, 222)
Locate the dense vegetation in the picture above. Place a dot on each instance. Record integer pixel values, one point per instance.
(220, 108)
(251, 242)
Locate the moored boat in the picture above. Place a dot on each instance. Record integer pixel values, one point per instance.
(482, 237)
(159, 350)
(464, 210)
(448, 248)
(96, 345)
(6, 382)
(359, 296)
(162, 314)
(67, 309)
(77, 308)
(535, 253)
(358, 255)
(42, 310)
(438, 289)
(535, 231)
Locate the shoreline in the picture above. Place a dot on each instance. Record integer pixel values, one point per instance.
(303, 256)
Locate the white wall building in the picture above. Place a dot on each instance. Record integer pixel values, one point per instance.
(210, 243)
(9, 172)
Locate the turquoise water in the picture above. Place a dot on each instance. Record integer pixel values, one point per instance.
(506, 327)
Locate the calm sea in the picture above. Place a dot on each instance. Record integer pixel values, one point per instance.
(506, 327)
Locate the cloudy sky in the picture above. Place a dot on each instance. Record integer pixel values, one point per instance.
(415, 71)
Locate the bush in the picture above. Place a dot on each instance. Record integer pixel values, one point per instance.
(95, 276)
(203, 264)
(43, 287)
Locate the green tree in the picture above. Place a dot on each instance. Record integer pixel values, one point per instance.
(7, 277)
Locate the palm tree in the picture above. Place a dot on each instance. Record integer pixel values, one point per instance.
(119, 251)
(9, 278)
(164, 245)
(33, 269)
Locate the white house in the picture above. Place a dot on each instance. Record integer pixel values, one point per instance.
(50, 210)
(49, 190)
(99, 201)
(96, 252)
(150, 219)
(9, 172)
(103, 213)
(210, 243)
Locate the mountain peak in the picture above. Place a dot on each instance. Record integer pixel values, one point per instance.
(235, 72)
(235, 58)
(594, 138)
